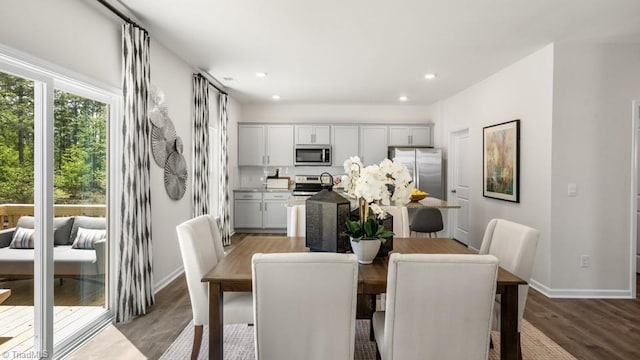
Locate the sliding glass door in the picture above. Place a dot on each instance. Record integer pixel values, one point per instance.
(56, 192)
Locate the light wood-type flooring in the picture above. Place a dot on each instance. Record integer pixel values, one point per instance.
(588, 329)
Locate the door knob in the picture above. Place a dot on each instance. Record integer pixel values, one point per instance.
(454, 191)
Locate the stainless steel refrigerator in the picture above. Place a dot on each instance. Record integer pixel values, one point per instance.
(425, 165)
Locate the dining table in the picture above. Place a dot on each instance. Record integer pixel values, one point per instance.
(233, 273)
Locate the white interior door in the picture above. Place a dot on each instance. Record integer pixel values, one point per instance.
(459, 184)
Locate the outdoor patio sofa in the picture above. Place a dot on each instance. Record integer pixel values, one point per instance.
(68, 261)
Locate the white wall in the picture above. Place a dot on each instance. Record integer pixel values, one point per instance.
(85, 38)
(520, 91)
(72, 34)
(173, 77)
(594, 86)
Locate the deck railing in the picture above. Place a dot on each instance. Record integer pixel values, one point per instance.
(10, 213)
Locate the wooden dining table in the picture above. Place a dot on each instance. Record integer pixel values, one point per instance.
(233, 273)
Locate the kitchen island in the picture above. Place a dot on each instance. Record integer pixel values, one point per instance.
(402, 219)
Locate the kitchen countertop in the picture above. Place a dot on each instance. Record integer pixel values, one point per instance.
(426, 202)
(261, 189)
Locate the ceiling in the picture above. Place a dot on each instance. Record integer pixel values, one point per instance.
(371, 51)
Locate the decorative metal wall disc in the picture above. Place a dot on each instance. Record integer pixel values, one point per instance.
(158, 114)
(178, 145)
(175, 176)
(163, 142)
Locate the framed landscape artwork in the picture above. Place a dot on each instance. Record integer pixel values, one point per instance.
(501, 158)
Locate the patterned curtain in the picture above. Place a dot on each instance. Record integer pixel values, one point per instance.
(134, 292)
(200, 110)
(223, 166)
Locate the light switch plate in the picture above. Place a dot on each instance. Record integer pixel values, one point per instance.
(572, 189)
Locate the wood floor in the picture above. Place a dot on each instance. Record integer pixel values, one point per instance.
(588, 329)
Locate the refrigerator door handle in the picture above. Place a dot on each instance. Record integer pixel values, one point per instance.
(416, 174)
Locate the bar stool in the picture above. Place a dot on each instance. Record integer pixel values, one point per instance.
(427, 220)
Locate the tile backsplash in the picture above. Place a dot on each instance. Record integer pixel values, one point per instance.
(256, 176)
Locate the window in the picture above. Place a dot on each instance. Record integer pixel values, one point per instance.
(54, 154)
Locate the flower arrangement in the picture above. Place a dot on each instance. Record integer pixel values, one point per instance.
(372, 186)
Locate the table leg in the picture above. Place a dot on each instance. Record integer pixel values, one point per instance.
(509, 323)
(215, 322)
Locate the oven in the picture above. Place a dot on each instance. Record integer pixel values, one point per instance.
(313, 155)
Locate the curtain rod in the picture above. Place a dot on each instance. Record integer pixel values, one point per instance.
(211, 83)
(119, 14)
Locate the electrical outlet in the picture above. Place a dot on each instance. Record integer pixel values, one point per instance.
(585, 261)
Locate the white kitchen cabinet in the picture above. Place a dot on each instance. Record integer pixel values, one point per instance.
(247, 211)
(410, 135)
(273, 210)
(251, 145)
(312, 134)
(260, 210)
(373, 144)
(265, 145)
(345, 143)
(279, 145)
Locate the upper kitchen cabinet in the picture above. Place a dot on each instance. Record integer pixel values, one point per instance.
(312, 134)
(265, 145)
(345, 143)
(411, 135)
(373, 144)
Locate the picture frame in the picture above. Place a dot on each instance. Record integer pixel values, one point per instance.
(501, 161)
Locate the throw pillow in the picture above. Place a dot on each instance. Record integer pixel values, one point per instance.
(87, 237)
(62, 227)
(87, 222)
(22, 239)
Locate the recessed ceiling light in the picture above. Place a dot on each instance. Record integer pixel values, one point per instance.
(227, 78)
(403, 98)
(430, 76)
(261, 74)
(275, 97)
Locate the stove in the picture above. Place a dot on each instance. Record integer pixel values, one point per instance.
(307, 185)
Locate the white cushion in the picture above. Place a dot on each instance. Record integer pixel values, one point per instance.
(305, 305)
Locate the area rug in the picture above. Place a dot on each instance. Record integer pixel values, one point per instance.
(238, 344)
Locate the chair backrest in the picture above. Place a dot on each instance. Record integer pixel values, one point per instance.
(515, 247)
(201, 249)
(434, 298)
(304, 305)
(427, 220)
(400, 220)
(297, 220)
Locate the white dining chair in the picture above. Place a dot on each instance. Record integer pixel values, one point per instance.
(296, 226)
(304, 305)
(515, 247)
(400, 220)
(433, 299)
(201, 249)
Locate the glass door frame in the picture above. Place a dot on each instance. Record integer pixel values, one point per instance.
(48, 77)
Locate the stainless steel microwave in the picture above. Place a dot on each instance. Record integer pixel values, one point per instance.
(313, 155)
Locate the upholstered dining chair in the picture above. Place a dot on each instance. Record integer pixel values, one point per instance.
(427, 220)
(515, 247)
(202, 249)
(400, 220)
(304, 305)
(297, 220)
(432, 299)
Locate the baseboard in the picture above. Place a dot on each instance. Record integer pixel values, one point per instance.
(580, 293)
(167, 279)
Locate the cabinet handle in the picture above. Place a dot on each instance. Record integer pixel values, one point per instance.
(268, 160)
(260, 206)
(409, 139)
